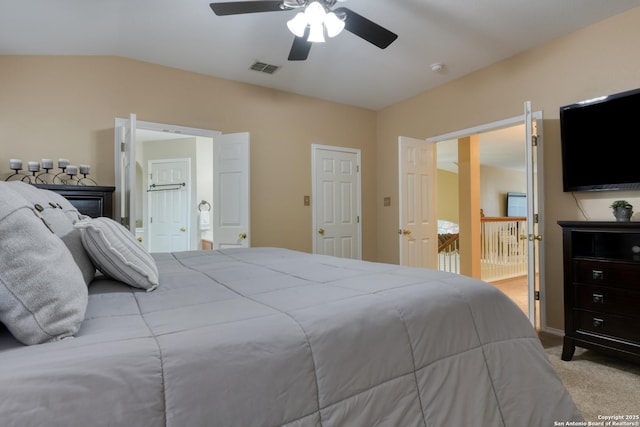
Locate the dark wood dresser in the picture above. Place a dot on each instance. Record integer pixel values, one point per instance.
(90, 200)
(602, 287)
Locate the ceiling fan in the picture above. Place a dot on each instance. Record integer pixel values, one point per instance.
(309, 26)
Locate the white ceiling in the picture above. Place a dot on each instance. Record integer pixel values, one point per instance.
(464, 35)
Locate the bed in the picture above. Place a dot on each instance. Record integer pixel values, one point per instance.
(266, 337)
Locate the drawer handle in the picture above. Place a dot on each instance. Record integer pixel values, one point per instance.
(598, 323)
(597, 274)
(598, 298)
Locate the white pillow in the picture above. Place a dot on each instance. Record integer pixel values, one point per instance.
(117, 253)
(43, 296)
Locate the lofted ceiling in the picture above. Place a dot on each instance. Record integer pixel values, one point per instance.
(464, 35)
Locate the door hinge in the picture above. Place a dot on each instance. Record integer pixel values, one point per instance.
(534, 140)
(536, 295)
(122, 145)
(357, 168)
(536, 218)
(358, 219)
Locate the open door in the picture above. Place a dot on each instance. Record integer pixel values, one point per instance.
(418, 228)
(231, 191)
(125, 171)
(533, 146)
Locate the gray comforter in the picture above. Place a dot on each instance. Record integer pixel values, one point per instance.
(272, 337)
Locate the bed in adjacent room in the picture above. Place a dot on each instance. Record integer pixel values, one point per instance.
(249, 337)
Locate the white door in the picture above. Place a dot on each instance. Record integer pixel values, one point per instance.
(418, 215)
(231, 191)
(125, 171)
(336, 201)
(169, 190)
(533, 143)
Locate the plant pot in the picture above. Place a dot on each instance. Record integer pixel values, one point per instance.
(623, 213)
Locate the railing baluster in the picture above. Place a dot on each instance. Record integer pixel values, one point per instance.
(503, 253)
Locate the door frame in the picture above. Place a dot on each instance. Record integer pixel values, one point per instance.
(315, 201)
(500, 124)
(123, 187)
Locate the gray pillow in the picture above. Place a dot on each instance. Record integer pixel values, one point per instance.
(117, 253)
(43, 296)
(60, 214)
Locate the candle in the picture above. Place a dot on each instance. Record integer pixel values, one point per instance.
(47, 164)
(63, 163)
(72, 170)
(84, 169)
(33, 166)
(15, 164)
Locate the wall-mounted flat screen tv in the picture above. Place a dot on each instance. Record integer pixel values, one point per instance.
(600, 141)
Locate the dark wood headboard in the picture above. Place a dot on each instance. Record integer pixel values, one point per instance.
(90, 200)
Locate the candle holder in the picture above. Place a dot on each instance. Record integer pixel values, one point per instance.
(59, 177)
(72, 172)
(19, 176)
(16, 166)
(84, 171)
(45, 177)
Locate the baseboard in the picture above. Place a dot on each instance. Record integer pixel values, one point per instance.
(553, 331)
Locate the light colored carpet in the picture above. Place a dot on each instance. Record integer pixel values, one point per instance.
(599, 384)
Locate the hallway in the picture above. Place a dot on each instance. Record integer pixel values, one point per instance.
(516, 289)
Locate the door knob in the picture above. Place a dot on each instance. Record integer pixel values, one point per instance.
(531, 237)
(321, 231)
(243, 235)
(183, 229)
(405, 232)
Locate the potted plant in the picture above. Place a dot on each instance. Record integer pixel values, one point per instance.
(622, 210)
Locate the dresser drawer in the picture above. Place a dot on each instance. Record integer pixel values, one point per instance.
(607, 273)
(605, 324)
(90, 206)
(608, 300)
(90, 200)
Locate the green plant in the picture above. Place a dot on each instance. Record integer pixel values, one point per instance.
(621, 204)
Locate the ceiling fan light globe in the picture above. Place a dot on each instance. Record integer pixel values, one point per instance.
(315, 13)
(316, 33)
(297, 24)
(333, 24)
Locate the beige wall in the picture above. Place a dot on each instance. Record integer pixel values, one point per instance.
(597, 60)
(495, 183)
(54, 107)
(447, 196)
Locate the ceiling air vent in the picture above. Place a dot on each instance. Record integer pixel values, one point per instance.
(265, 68)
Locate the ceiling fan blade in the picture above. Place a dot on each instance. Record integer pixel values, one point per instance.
(238, 7)
(300, 48)
(366, 29)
